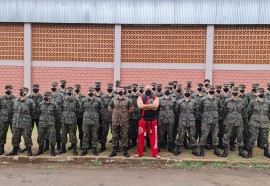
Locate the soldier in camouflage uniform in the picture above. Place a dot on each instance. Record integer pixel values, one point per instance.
(21, 122)
(175, 83)
(134, 117)
(206, 84)
(259, 113)
(91, 107)
(159, 92)
(233, 110)
(166, 119)
(141, 89)
(129, 90)
(267, 93)
(79, 114)
(98, 93)
(106, 116)
(69, 121)
(48, 113)
(154, 87)
(231, 85)
(120, 107)
(220, 95)
(198, 95)
(6, 114)
(210, 107)
(63, 89)
(186, 109)
(253, 95)
(57, 97)
(170, 85)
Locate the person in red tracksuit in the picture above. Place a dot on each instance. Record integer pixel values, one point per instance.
(148, 104)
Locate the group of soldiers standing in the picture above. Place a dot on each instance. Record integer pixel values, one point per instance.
(169, 117)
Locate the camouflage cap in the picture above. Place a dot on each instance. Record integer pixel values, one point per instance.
(179, 85)
(109, 85)
(243, 86)
(200, 84)
(166, 87)
(35, 86)
(54, 83)
(187, 90)
(255, 85)
(141, 86)
(260, 89)
(63, 82)
(175, 82)
(117, 82)
(91, 89)
(77, 86)
(134, 85)
(24, 89)
(206, 80)
(129, 86)
(268, 84)
(154, 84)
(189, 82)
(218, 86)
(47, 93)
(170, 83)
(211, 87)
(8, 86)
(231, 82)
(70, 88)
(225, 84)
(126, 87)
(235, 88)
(159, 85)
(97, 83)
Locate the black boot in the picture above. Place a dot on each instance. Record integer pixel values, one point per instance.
(216, 152)
(232, 146)
(103, 148)
(113, 153)
(202, 151)
(194, 151)
(46, 147)
(71, 147)
(83, 153)
(2, 149)
(62, 149)
(40, 151)
(250, 152)
(266, 152)
(29, 151)
(126, 154)
(90, 147)
(177, 151)
(241, 152)
(22, 150)
(171, 148)
(186, 144)
(75, 153)
(207, 147)
(220, 143)
(13, 152)
(95, 153)
(81, 144)
(225, 153)
(58, 145)
(53, 151)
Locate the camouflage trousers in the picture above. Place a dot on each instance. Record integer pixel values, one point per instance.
(163, 128)
(118, 131)
(79, 124)
(90, 130)
(175, 126)
(181, 134)
(221, 129)
(198, 127)
(230, 131)
(104, 130)
(47, 134)
(58, 129)
(211, 129)
(3, 131)
(71, 130)
(254, 132)
(133, 129)
(18, 133)
(245, 133)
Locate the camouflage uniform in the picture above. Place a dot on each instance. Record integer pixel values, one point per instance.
(63, 91)
(91, 113)
(252, 95)
(98, 94)
(159, 92)
(267, 93)
(37, 99)
(120, 111)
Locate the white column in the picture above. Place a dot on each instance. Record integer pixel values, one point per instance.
(117, 53)
(27, 54)
(209, 52)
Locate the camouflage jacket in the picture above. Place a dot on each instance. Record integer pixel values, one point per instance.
(197, 97)
(120, 110)
(259, 113)
(210, 109)
(79, 97)
(245, 99)
(234, 112)
(23, 113)
(177, 95)
(186, 111)
(136, 114)
(70, 107)
(48, 114)
(91, 110)
(267, 95)
(166, 109)
(37, 99)
(63, 92)
(251, 96)
(159, 94)
(6, 108)
(58, 99)
(105, 114)
(100, 95)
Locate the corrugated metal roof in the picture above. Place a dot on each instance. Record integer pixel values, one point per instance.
(137, 11)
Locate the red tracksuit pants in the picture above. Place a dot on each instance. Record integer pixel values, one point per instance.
(152, 133)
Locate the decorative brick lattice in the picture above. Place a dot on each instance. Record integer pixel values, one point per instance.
(242, 45)
(11, 41)
(88, 43)
(163, 44)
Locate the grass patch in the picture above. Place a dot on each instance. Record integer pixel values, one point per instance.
(217, 165)
(93, 163)
(189, 165)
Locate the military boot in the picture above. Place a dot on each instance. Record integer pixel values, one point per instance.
(53, 151)
(81, 144)
(241, 152)
(202, 151)
(46, 146)
(22, 150)
(194, 151)
(13, 152)
(171, 148)
(125, 153)
(83, 153)
(113, 153)
(2, 149)
(29, 151)
(177, 151)
(266, 152)
(103, 148)
(71, 147)
(95, 153)
(250, 152)
(220, 143)
(225, 152)
(62, 149)
(232, 146)
(40, 151)
(75, 153)
(186, 144)
(216, 152)
(58, 145)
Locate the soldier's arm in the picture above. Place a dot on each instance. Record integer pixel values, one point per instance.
(32, 108)
(177, 107)
(225, 108)
(100, 107)
(110, 106)
(130, 106)
(250, 110)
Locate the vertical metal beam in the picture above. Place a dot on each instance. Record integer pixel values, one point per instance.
(209, 52)
(117, 52)
(27, 55)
